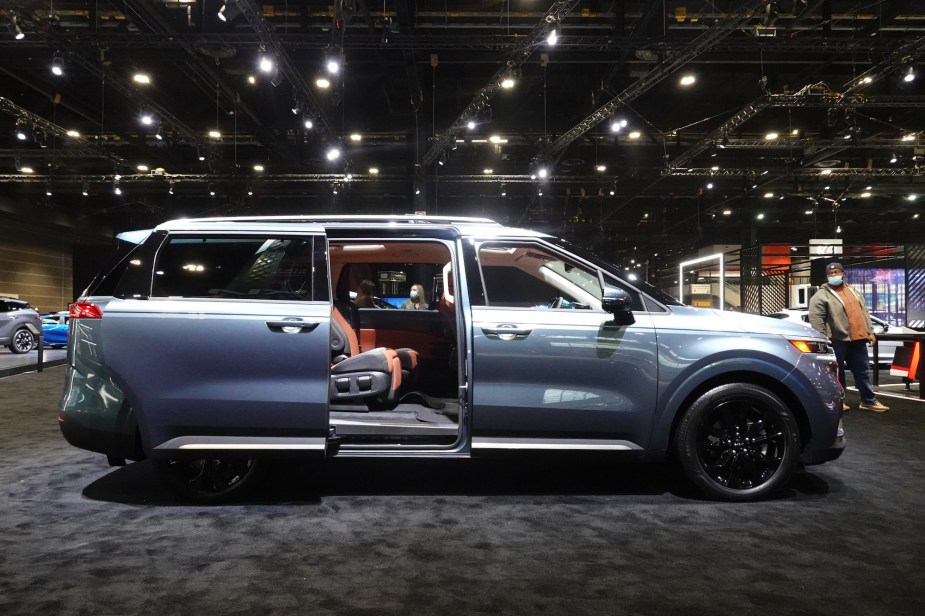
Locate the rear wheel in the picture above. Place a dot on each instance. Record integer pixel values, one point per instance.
(738, 442)
(210, 480)
(23, 341)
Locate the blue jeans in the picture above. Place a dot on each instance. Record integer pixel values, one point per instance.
(854, 355)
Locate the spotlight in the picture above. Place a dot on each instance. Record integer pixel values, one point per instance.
(158, 134)
(48, 192)
(57, 64)
(40, 137)
(503, 190)
(85, 191)
(265, 62)
(333, 153)
(507, 83)
(323, 82)
(141, 78)
(200, 155)
(170, 189)
(228, 11)
(909, 74)
(553, 37)
(211, 190)
(470, 124)
(146, 118)
(250, 191)
(441, 158)
(15, 30)
(332, 61)
(894, 158)
(307, 122)
(258, 168)
(20, 133)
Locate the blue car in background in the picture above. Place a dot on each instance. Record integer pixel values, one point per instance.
(54, 328)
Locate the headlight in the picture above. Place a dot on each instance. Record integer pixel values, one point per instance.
(812, 346)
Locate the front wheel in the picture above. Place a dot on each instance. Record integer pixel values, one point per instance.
(23, 341)
(738, 442)
(210, 480)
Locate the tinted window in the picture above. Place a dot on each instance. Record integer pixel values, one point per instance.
(247, 267)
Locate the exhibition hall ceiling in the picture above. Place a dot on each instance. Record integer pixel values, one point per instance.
(661, 126)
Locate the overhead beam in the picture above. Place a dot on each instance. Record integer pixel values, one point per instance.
(556, 13)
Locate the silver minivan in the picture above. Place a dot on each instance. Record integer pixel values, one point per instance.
(216, 345)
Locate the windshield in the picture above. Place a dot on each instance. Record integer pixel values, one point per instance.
(645, 287)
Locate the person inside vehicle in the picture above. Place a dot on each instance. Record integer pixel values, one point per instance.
(416, 299)
(838, 310)
(364, 298)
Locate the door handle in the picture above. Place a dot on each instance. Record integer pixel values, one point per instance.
(507, 332)
(292, 327)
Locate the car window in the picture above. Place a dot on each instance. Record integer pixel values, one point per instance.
(247, 267)
(530, 275)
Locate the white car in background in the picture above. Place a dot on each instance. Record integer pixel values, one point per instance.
(886, 348)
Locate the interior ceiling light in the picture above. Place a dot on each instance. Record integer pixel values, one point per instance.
(688, 80)
(57, 64)
(142, 78)
(15, 30)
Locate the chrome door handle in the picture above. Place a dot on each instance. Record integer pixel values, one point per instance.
(507, 332)
(291, 327)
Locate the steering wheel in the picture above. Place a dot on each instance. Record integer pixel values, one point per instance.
(556, 302)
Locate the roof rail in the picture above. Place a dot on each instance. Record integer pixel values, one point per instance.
(367, 218)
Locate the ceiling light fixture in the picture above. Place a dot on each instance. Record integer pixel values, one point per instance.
(374, 170)
(258, 168)
(73, 133)
(146, 118)
(229, 10)
(158, 135)
(170, 189)
(57, 64)
(142, 168)
(307, 122)
(214, 134)
(323, 82)
(142, 78)
(356, 137)
(85, 191)
(211, 190)
(200, 155)
(503, 190)
(688, 80)
(250, 191)
(909, 74)
(333, 153)
(48, 192)
(265, 62)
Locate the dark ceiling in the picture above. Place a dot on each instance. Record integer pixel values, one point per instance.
(825, 75)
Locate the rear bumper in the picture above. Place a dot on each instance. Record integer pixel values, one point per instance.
(109, 442)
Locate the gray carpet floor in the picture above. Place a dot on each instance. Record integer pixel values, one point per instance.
(460, 537)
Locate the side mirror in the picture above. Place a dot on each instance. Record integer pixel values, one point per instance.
(618, 302)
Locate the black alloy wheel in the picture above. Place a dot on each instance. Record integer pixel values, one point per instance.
(210, 480)
(738, 442)
(23, 341)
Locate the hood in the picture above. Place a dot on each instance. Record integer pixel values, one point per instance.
(759, 324)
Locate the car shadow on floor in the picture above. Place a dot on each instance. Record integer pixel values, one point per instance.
(308, 483)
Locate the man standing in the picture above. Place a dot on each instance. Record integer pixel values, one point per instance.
(838, 311)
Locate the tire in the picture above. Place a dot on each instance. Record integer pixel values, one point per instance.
(22, 341)
(738, 442)
(210, 480)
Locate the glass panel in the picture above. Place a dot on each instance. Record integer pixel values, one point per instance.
(249, 267)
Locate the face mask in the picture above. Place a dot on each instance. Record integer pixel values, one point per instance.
(835, 280)
(414, 295)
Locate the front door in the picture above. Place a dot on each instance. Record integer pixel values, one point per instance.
(231, 348)
(550, 368)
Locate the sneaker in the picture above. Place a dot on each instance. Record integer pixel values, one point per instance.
(845, 408)
(874, 406)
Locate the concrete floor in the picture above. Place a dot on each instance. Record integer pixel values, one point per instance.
(461, 537)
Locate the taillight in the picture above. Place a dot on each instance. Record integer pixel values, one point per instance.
(84, 310)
